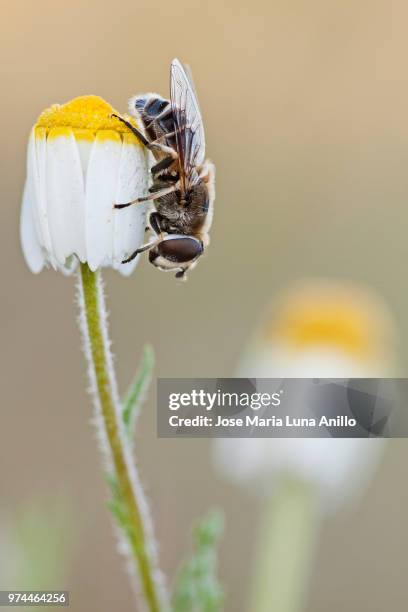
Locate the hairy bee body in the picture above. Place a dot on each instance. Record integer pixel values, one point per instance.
(182, 188)
(188, 215)
(156, 115)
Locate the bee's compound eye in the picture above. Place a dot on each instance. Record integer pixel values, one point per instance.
(180, 249)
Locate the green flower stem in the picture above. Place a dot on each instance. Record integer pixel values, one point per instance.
(285, 550)
(102, 376)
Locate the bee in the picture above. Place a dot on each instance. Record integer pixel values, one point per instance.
(182, 191)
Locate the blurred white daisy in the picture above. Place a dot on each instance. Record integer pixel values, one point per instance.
(318, 329)
(80, 162)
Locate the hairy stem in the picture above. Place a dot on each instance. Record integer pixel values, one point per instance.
(285, 550)
(113, 438)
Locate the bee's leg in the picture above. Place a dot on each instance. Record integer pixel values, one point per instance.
(154, 221)
(152, 146)
(163, 164)
(155, 146)
(133, 129)
(148, 198)
(142, 249)
(165, 135)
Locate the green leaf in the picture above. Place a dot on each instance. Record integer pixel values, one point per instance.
(117, 506)
(197, 587)
(137, 391)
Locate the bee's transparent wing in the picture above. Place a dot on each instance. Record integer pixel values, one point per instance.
(188, 124)
(189, 73)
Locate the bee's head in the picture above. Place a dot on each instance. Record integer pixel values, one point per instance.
(176, 252)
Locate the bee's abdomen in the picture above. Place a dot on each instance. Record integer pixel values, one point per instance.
(156, 115)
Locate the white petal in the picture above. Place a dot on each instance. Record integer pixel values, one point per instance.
(29, 236)
(36, 162)
(85, 149)
(338, 468)
(130, 223)
(65, 195)
(101, 188)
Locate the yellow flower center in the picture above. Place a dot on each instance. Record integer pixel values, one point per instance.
(336, 321)
(84, 117)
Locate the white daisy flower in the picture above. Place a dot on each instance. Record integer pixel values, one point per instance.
(80, 162)
(319, 329)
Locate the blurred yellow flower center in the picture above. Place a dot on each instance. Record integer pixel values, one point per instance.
(335, 324)
(84, 116)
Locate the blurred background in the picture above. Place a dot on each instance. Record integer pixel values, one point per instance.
(305, 110)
